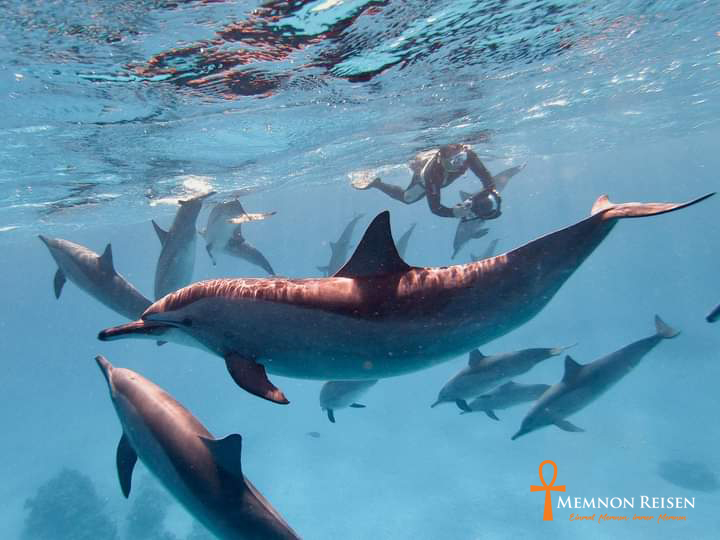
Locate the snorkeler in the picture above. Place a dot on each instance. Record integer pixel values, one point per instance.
(436, 169)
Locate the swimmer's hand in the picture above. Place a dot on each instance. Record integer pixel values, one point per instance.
(363, 179)
(464, 210)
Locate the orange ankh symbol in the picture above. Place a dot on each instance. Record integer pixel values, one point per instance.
(547, 514)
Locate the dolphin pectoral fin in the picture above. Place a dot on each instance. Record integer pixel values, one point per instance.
(492, 414)
(331, 415)
(161, 233)
(227, 453)
(566, 425)
(58, 282)
(125, 460)
(251, 376)
(357, 405)
(462, 405)
(610, 210)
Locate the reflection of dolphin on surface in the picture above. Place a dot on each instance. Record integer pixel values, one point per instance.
(583, 384)
(339, 250)
(203, 473)
(483, 372)
(468, 229)
(504, 397)
(95, 274)
(689, 475)
(340, 394)
(177, 256)
(377, 317)
(224, 232)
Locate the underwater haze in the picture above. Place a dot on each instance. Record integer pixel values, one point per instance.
(113, 112)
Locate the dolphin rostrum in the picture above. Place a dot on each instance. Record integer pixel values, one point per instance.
(224, 232)
(489, 251)
(404, 239)
(203, 473)
(583, 384)
(483, 372)
(96, 275)
(339, 249)
(504, 397)
(340, 394)
(177, 256)
(468, 229)
(377, 316)
(714, 315)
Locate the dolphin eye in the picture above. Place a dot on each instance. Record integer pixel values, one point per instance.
(187, 321)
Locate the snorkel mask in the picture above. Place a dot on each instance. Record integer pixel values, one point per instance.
(456, 162)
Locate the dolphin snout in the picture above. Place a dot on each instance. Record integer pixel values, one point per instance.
(133, 329)
(105, 366)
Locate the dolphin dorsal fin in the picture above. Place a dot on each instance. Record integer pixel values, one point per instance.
(106, 260)
(376, 254)
(227, 453)
(161, 234)
(464, 195)
(475, 358)
(572, 368)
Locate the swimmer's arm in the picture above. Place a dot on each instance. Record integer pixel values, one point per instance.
(433, 197)
(477, 167)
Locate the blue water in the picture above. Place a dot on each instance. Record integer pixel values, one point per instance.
(111, 110)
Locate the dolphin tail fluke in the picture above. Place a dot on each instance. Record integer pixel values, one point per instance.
(566, 425)
(58, 282)
(491, 414)
(714, 315)
(331, 415)
(357, 405)
(251, 376)
(611, 210)
(462, 405)
(209, 248)
(125, 459)
(664, 330)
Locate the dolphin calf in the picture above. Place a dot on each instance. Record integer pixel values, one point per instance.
(177, 256)
(469, 229)
(714, 315)
(504, 397)
(223, 232)
(377, 316)
(203, 473)
(489, 251)
(404, 239)
(583, 384)
(339, 250)
(96, 275)
(483, 372)
(340, 394)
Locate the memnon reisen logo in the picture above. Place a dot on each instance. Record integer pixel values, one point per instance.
(597, 503)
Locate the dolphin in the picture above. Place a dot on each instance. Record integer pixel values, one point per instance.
(489, 251)
(203, 473)
(340, 394)
(483, 372)
(469, 229)
(504, 397)
(177, 257)
(224, 226)
(714, 315)
(96, 275)
(404, 239)
(377, 316)
(339, 249)
(583, 384)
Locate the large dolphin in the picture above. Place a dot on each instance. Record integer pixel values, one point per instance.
(224, 232)
(339, 249)
(484, 372)
(404, 239)
(468, 229)
(177, 256)
(377, 317)
(714, 315)
(340, 394)
(203, 473)
(96, 275)
(583, 384)
(504, 397)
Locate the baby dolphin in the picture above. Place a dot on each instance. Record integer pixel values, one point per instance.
(203, 473)
(504, 397)
(339, 249)
(375, 307)
(224, 232)
(340, 394)
(689, 475)
(483, 372)
(714, 315)
(583, 384)
(95, 274)
(469, 229)
(177, 256)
